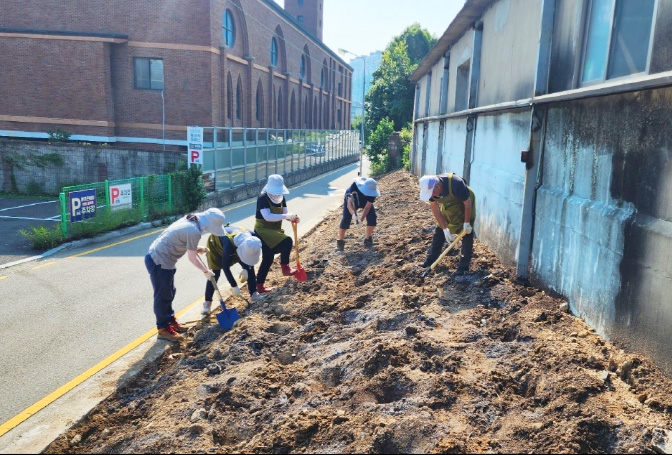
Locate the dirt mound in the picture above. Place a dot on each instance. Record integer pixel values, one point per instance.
(366, 357)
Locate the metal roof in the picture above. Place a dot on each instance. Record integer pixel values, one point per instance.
(470, 13)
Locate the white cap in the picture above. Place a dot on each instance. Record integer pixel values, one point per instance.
(427, 183)
(368, 187)
(275, 185)
(212, 221)
(249, 250)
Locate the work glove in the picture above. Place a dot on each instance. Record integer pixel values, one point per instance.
(293, 217)
(235, 290)
(449, 237)
(202, 250)
(243, 276)
(467, 228)
(209, 274)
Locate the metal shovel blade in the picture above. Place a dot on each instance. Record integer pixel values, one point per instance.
(301, 274)
(228, 317)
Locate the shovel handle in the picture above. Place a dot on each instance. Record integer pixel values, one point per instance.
(212, 279)
(450, 247)
(296, 243)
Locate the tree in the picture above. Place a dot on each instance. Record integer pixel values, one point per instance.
(418, 42)
(391, 94)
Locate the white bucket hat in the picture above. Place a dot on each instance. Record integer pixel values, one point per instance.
(212, 221)
(275, 185)
(249, 250)
(368, 187)
(427, 183)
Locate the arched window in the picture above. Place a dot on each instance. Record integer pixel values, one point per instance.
(306, 113)
(229, 98)
(292, 110)
(229, 29)
(274, 52)
(315, 117)
(302, 70)
(239, 100)
(280, 108)
(323, 77)
(260, 103)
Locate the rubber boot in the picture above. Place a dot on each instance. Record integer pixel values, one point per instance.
(340, 245)
(287, 270)
(368, 241)
(261, 289)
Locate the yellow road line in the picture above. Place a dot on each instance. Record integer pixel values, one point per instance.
(44, 265)
(95, 250)
(56, 394)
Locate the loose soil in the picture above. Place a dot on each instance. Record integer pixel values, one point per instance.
(367, 357)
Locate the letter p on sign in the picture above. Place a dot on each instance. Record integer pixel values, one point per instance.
(195, 157)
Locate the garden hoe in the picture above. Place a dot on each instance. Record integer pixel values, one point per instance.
(450, 247)
(228, 316)
(301, 274)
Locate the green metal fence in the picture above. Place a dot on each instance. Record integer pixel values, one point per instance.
(121, 202)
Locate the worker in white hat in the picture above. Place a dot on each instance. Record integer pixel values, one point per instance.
(271, 212)
(179, 238)
(237, 246)
(361, 195)
(453, 204)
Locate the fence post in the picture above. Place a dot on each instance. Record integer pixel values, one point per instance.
(64, 215)
(142, 199)
(107, 196)
(170, 193)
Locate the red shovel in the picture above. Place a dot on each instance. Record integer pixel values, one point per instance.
(301, 274)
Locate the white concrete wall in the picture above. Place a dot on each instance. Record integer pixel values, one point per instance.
(498, 178)
(511, 30)
(432, 148)
(459, 53)
(454, 140)
(437, 75)
(579, 229)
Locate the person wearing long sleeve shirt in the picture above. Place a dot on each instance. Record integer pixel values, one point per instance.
(271, 212)
(238, 246)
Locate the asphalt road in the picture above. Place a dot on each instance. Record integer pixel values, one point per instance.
(22, 214)
(68, 312)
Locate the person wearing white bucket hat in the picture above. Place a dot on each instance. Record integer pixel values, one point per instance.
(238, 246)
(271, 212)
(179, 238)
(453, 205)
(361, 195)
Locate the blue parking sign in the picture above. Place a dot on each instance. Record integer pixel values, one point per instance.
(82, 205)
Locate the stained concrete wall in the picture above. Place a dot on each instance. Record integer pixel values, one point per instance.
(508, 57)
(603, 228)
(498, 178)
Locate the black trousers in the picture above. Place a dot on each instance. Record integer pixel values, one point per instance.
(437, 247)
(268, 254)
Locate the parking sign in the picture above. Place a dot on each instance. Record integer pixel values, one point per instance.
(82, 205)
(121, 196)
(195, 141)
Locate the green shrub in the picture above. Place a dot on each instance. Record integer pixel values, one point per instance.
(43, 238)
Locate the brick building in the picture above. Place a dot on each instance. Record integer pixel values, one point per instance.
(142, 71)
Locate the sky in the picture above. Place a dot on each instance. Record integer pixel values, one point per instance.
(365, 26)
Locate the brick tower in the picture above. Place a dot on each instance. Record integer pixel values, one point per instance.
(308, 13)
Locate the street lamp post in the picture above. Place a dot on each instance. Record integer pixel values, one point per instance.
(361, 153)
